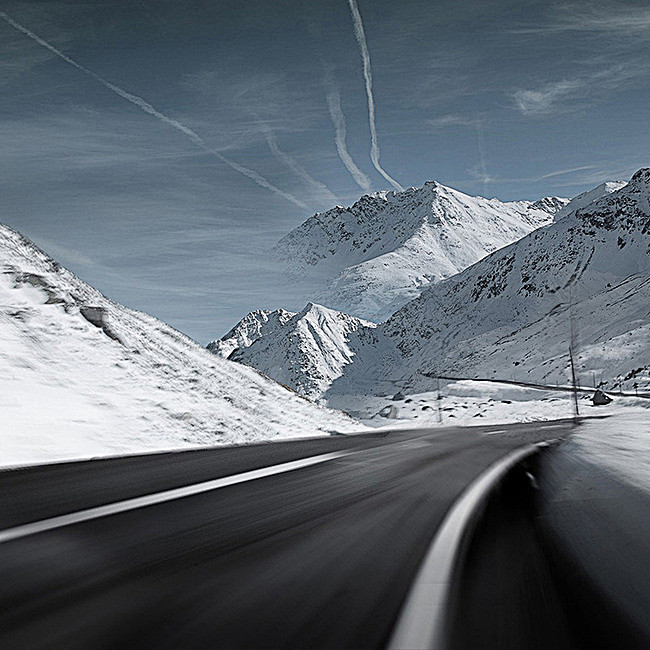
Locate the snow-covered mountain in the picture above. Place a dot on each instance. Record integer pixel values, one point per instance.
(253, 326)
(584, 199)
(82, 375)
(509, 315)
(305, 352)
(373, 257)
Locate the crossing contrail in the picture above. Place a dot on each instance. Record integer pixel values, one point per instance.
(340, 133)
(367, 74)
(148, 108)
(484, 177)
(296, 167)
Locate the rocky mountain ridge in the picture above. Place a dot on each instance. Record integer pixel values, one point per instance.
(373, 257)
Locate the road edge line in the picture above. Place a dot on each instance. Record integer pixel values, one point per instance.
(421, 623)
(117, 507)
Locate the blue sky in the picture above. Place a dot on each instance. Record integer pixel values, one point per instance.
(171, 211)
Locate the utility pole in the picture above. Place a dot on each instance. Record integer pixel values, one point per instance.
(572, 350)
(574, 384)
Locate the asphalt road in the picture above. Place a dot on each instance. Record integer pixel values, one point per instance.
(318, 557)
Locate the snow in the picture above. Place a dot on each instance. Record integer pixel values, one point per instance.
(253, 326)
(477, 403)
(72, 389)
(508, 316)
(373, 257)
(584, 199)
(307, 351)
(620, 444)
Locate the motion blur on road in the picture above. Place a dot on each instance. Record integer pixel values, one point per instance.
(323, 555)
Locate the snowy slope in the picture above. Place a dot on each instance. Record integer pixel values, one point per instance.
(309, 350)
(84, 376)
(373, 257)
(508, 316)
(584, 199)
(253, 326)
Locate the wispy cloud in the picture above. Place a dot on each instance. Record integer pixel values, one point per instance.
(564, 172)
(576, 93)
(481, 171)
(615, 18)
(367, 75)
(148, 108)
(282, 156)
(452, 120)
(340, 133)
(612, 38)
(542, 100)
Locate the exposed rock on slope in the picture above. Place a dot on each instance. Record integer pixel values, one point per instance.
(509, 314)
(584, 199)
(253, 326)
(375, 256)
(83, 376)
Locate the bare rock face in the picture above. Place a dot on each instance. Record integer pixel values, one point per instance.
(600, 398)
(53, 297)
(95, 315)
(98, 316)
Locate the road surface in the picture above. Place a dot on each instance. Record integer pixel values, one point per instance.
(318, 556)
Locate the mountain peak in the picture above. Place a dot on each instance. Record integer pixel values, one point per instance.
(254, 325)
(308, 351)
(641, 180)
(369, 259)
(588, 197)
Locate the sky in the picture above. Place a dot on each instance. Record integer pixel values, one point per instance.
(158, 149)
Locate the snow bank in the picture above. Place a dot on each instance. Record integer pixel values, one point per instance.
(83, 376)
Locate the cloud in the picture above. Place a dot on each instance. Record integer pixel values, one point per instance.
(614, 18)
(543, 100)
(564, 172)
(367, 75)
(452, 120)
(576, 93)
(612, 37)
(482, 175)
(148, 108)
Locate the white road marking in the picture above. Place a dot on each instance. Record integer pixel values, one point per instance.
(422, 621)
(490, 433)
(33, 528)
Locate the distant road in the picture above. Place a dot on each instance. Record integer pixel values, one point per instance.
(304, 544)
(556, 387)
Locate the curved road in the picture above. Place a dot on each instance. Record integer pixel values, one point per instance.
(315, 556)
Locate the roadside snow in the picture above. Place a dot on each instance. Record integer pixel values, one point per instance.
(82, 376)
(621, 444)
(474, 403)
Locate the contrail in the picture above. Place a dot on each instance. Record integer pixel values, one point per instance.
(340, 133)
(367, 74)
(296, 167)
(481, 154)
(148, 108)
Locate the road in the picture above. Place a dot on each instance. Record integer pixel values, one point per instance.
(320, 556)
